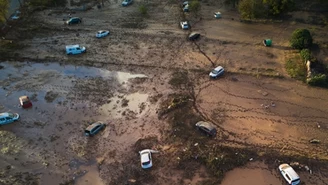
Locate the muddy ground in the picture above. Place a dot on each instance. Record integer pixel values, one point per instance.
(150, 84)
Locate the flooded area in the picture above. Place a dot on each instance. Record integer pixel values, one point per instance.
(65, 100)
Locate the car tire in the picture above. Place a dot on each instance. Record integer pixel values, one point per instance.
(69, 53)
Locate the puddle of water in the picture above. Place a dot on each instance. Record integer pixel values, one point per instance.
(67, 70)
(135, 102)
(255, 174)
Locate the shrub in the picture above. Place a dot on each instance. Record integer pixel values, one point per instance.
(143, 9)
(318, 80)
(301, 39)
(305, 54)
(296, 69)
(195, 6)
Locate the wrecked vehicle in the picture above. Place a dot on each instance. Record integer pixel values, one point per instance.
(94, 128)
(289, 174)
(6, 118)
(25, 102)
(206, 127)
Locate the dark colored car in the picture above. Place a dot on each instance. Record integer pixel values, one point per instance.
(25, 102)
(206, 127)
(74, 20)
(94, 128)
(193, 36)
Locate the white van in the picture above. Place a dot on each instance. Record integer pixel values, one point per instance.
(74, 49)
(289, 174)
(7, 117)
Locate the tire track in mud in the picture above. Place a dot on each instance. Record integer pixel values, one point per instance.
(274, 100)
(254, 110)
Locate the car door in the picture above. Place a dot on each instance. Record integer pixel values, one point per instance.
(96, 129)
(9, 120)
(2, 120)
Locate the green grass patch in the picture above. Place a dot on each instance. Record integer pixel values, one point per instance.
(296, 68)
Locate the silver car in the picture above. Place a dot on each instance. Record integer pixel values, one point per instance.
(217, 72)
(102, 33)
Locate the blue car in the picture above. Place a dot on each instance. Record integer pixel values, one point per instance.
(94, 128)
(7, 117)
(126, 2)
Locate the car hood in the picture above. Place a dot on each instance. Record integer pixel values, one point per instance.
(16, 116)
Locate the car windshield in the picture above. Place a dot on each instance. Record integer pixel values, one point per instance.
(215, 71)
(11, 115)
(146, 163)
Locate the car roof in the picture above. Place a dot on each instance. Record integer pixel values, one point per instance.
(208, 125)
(4, 114)
(290, 171)
(145, 157)
(193, 33)
(218, 68)
(93, 125)
(24, 98)
(73, 46)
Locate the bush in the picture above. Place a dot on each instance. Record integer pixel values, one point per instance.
(318, 80)
(250, 9)
(305, 54)
(296, 69)
(301, 39)
(194, 6)
(143, 9)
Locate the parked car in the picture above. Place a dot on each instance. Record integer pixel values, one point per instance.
(184, 25)
(193, 36)
(126, 2)
(146, 160)
(75, 49)
(206, 127)
(6, 118)
(94, 128)
(102, 33)
(217, 72)
(289, 174)
(25, 102)
(74, 20)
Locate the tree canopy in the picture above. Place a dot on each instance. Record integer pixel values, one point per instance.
(301, 39)
(4, 5)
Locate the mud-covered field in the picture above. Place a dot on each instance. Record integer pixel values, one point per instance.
(150, 85)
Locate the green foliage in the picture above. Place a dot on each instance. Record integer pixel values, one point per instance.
(278, 7)
(301, 39)
(143, 9)
(4, 5)
(296, 69)
(194, 6)
(250, 9)
(318, 80)
(305, 54)
(36, 3)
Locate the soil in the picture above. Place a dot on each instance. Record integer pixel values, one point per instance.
(150, 85)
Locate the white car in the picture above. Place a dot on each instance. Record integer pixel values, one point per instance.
(289, 174)
(217, 72)
(102, 33)
(145, 156)
(184, 25)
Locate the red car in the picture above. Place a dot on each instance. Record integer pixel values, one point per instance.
(25, 102)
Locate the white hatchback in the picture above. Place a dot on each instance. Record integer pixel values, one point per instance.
(289, 174)
(146, 161)
(184, 25)
(102, 33)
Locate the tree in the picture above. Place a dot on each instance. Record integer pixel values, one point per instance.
(194, 6)
(251, 9)
(4, 5)
(278, 7)
(301, 39)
